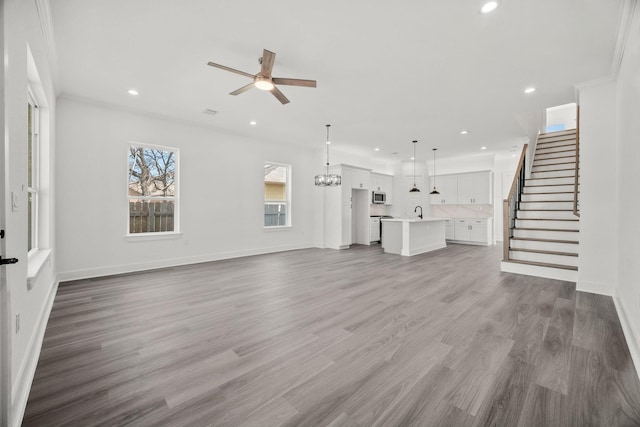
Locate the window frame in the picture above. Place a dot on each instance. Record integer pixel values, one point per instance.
(33, 239)
(151, 235)
(287, 202)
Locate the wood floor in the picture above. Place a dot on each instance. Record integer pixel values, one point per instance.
(334, 338)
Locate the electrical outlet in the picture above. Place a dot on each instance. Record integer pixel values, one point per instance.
(17, 323)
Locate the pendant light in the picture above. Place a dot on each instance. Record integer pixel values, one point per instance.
(328, 180)
(434, 173)
(414, 189)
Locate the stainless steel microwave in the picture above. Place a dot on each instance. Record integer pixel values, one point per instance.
(379, 197)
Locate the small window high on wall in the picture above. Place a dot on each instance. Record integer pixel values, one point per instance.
(277, 195)
(152, 189)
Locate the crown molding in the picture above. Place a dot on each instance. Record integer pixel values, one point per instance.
(49, 41)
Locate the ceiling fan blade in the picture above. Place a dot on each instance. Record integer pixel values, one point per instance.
(233, 70)
(243, 89)
(268, 58)
(294, 82)
(276, 92)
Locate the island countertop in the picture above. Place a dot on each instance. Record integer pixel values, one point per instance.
(412, 219)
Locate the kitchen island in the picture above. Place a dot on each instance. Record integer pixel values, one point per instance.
(414, 236)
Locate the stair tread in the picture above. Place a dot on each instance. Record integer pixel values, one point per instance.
(531, 239)
(546, 210)
(546, 185)
(544, 264)
(548, 219)
(547, 229)
(553, 177)
(552, 170)
(537, 251)
(548, 201)
(558, 192)
(554, 164)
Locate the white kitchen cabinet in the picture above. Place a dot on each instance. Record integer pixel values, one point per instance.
(447, 186)
(474, 231)
(474, 188)
(374, 229)
(360, 179)
(383, 183)
(449, 229)
(343, 223)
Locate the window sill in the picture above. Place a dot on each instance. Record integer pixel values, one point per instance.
(145, 237)
(35, 261)
(280, 228)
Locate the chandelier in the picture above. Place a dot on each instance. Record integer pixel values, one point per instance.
(328, 180)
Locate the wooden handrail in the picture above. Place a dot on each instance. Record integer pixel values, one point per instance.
(576, 209)
(515, 177)
(506, 236)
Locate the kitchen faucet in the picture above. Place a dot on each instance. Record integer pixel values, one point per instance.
(416, 209)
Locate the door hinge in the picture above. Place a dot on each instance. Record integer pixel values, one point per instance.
(4, 261)
(1, 234)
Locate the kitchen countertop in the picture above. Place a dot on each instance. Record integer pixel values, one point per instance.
(412, 219)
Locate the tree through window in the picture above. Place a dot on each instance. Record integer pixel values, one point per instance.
(152, 189)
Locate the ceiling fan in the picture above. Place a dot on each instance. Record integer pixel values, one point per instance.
(264, 80)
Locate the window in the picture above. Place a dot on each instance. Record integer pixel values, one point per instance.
(277, 194)
(33, 123)
(152, 189)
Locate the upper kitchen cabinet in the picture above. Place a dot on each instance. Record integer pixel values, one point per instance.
(383, 183)
(360, 178)
(447, 186)
(474, 188)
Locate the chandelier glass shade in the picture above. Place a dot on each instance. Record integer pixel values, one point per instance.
(327, 179)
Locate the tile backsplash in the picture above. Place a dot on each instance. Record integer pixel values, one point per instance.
(462, 211)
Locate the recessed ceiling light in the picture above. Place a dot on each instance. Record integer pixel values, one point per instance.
(413, 158)
(489, 7)
(513, 155)
(133, 92)
(376, 149)
(530, 90)
(483, 148)
(464, 132)
(253, 123)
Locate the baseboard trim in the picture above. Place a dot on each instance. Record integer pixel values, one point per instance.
(595, 287)
(27, 370)
(173, 262)
(630, 333)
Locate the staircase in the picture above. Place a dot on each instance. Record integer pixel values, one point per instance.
(546, 234)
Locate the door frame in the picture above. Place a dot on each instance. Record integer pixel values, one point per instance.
(5, 365)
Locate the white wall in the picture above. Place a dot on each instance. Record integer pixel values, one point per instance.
(597, 261)
(628, 202)
(562, 114)
(221, 193)
(23, 32)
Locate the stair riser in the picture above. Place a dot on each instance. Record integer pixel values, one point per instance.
(540, 162)
(563, 197)
(545, 246)
(554, 143)
(569, 148)
(552, 181)
(546, 258)
(559, 154)
(546, 206)
(544, 234)
(563, 167)
(550, 224)
(548, 189)
(552, 174)
(528, 214)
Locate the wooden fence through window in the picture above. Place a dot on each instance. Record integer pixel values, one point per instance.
(149, 216)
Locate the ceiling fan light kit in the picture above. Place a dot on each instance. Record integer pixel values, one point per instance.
(327, 179)
(264, 80)
(414, 189)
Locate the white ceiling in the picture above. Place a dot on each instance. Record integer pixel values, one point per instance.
(387, 72)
